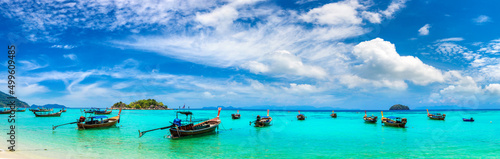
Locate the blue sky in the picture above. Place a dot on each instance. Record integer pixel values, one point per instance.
(352, 54)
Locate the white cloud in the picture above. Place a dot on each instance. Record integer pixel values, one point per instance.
(451, 39)
(493, 89)
(379, 61)
(340, 13)
(283, 63)
(221, 17)
(424, 30)
(25, 89)
(482, 19)
(31, 65)
(70, 56)
(449, 49)
(372, 17)
(63, 46)
(493, 47)
(465, 91)
(395, 6)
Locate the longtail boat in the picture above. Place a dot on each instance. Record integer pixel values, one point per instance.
(394, 121)
(436, 116)
(42, 110)
(181, 128)
(468, 120)
(263, 121)
(20, 110)
(63, 110)
(5, 111)
(237, 115)
(301, 116)
(370, 119)
(47, 114)
(91, 110)
(333, 115)
(94, 122)
(98, 112)
(190, 129)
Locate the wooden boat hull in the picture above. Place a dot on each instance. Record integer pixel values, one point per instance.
(190, 130)
(58, 114)
(334, 115)
(301, 117)
(235, 116)
(99, 113)
(401, 125)
(370, 120)
(5, 112)
(436, 117)
(92, 126)
(468, 120)
(263, 122)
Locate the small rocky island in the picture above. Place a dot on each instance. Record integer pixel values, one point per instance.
(145, 104)
(399, 107)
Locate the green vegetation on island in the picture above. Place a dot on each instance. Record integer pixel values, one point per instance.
(399, 107)
(4, 101)
(141, 104)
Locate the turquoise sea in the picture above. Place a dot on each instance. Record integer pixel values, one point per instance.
(346, 136)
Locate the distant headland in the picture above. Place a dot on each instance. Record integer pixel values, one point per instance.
(399, 107)
(48, 106)
(144, 104)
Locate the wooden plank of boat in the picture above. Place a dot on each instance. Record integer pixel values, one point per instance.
(200, 128)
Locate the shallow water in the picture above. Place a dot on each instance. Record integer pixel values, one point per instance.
(317, 136)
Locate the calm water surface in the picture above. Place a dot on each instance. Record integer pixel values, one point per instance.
(318, 136)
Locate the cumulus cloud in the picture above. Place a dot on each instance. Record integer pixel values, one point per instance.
(424, 30)
(482, 19)
(464, 90)
(283, 63)
(340, 13)
(379, 61)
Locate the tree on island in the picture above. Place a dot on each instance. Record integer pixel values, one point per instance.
(399, 107)
(141, 104)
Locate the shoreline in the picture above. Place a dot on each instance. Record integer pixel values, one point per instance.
(19, 155)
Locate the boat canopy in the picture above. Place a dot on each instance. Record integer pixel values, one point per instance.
(436, 114)
(300, 114)
(99, 117)
(265, 117)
